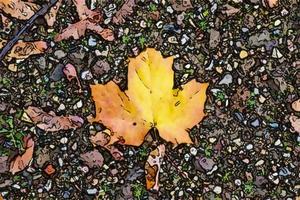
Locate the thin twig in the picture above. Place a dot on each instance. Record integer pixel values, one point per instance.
(41, 12)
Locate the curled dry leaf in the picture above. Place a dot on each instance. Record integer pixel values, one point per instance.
(271, 3)
(19, 9)
(296, 105)
(50, 122)
(25, 10)
(152, 167)
(89, 20)
(20, 162)
(295, 122)
(124, 12)
(50, 17)
(149, 102)
(71, 73)
(181, 5)
(102, 139)
(22, 50)
(93, 158)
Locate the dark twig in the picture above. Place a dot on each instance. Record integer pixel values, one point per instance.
(41, 12)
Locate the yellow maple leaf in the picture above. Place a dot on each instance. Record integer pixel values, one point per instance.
(149, 102)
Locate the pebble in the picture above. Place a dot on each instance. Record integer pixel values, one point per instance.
(249, 146)
(243, 54)
(217, 190)
(255, 123)
(61, 107)
(92, 191)
(238, 182)
(66, 194)
(170, 9)
(64, 140)
(193, 151)
(226, 80)
(259, 163)
(92, 42)
(79, 104)
(86, 75)
(277, 22)
(59, 54)
(172, 40)
(278, 143)
(276, 53)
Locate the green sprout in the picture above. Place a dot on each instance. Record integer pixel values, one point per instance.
(138, 190)
(152, 7)
(126, 39)
(248, 187)
(220, 96)
(142, 41)
(203, 25)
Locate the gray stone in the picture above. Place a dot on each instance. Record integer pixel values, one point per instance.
(226, 80)
(214, 38)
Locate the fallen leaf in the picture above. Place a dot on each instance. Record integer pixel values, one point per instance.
(149, 102)
(93, 158)
(296, 105)
(181, 5)
(22, 50)
(124, 12)
(152, 167)
(50, 122)
(295, 122)
(19, 9)
(50, 17)
(6, 22)
(271, 3)
(71, 73)
(89, 20)
(102, 139)
(20, 162)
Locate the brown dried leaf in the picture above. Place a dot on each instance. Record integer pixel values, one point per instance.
(124, 12)
(22, 50)
(295, 122)
(50, 17)
(93, 158)
(19, 9)
(102, 139)
(20, 162)
(152, 167)
(50, 122)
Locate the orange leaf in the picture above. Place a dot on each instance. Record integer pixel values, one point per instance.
(20, 162)
(19, 9)
(22, 50)
(149, 102)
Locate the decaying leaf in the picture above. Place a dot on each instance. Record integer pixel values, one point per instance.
(124, 12)
(50, 122)
(22, 50)
(89, 20)
(20, 162)
(102, 139)
(295, 122)
(71, 73)
(152, 167)
(18, 9)
(25, 10)
(181, 5)
(93, 158)
(149, 102)
(296, 105)
(271, 3)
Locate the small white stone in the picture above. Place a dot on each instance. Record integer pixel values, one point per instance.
(278, 143)
(259, 163)
(79, 104)
(159, 24)
(238, 182)
(180, 193)
(170, 9)
(61, 107)
(212, 139)
(249, 146)
(217, 190)
(172, 40)
(193, 151)
(186, 157)
(276, 53)
(64, 140)
(60, 162)
(86, 75)
(143, 24)
(277, 22)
